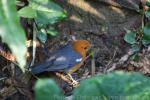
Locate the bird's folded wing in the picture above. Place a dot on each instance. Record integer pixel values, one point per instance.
(61, 60)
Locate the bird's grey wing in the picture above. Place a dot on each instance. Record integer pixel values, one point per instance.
(62, 59)
(65, 61)
(59, 64)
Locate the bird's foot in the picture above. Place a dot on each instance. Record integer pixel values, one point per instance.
(74, 83)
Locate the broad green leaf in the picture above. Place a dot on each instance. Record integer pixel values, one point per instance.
(146, 34)
(49, 18)
(135, 57)
(48, 12)
(148, 3)
(145, 42)
(135, 48)
(130, 37)
(114, 86)
(11, 31)
(42, 35)
(27, 12)
(46, 89)
(52, 31)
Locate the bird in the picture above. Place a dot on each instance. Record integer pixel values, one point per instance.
(67, 59)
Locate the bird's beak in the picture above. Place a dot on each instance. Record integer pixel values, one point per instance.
(90, 47)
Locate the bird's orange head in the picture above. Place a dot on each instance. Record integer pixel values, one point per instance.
(81, 46)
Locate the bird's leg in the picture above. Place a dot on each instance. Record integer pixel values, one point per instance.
(74, 82)
(68, 79)
(63, 77)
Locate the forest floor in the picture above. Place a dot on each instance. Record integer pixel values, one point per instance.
(104, 24)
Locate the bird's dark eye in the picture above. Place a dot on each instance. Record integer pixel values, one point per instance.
(85, 47)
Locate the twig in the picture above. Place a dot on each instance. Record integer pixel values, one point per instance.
(112, 58)
(121, 61)
(143, 21)
(93, 66)
(34, 45)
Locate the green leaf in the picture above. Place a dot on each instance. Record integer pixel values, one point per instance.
(48, 12)
(145, 42)
(52, 31)
(46, 89)
(130, 37)
(11, 31)
(27, 12)
(49, 18)
(135, 48)
(148, 3)
(135, 57)
(114, 86)
(42, 35)
(146, 34)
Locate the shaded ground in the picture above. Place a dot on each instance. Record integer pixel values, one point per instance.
(100, 23)
(104, 25)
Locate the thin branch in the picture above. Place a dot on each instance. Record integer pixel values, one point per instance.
(34, 44)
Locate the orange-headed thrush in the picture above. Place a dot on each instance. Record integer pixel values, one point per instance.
(67, 59)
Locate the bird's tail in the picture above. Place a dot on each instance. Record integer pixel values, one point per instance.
(36, 69)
